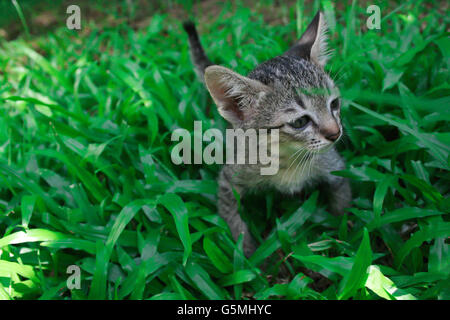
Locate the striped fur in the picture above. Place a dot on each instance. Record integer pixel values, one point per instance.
(198, 56)
(274, 94)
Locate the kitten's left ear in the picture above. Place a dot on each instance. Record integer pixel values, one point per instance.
(313, 43)
(236, 96)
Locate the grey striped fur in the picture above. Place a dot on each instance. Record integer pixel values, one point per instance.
(274, 95)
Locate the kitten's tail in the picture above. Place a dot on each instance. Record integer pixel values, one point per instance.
(198, 56)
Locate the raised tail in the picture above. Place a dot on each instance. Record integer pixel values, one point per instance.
(198, 56)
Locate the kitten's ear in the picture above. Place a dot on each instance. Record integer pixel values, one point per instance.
(236, 96)
(313, 43)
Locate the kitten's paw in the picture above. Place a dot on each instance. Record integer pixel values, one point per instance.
(249, 245)
(341, 198)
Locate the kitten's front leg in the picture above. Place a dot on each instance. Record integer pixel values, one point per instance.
(340, 195)
(228, 210)
(339, 187)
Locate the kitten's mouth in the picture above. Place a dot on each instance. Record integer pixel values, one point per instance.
(321, 147)
(314, 147)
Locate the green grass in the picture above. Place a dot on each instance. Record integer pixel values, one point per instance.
(86, 177)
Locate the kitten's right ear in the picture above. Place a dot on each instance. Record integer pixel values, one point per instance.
(236, 96)
(313, 43)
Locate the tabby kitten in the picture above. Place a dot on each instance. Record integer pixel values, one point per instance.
(292, 93)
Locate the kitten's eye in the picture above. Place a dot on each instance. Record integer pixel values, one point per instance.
(334, 105)
(300, 123)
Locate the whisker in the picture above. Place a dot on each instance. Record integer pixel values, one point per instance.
(300, 164)
(305, 165)
(298, 153)
(312, 162)
(300, 149)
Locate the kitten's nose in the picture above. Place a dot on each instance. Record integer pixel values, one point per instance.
(331, 133)
(333, 137)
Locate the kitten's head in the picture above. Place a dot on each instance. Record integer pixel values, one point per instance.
(291, 92)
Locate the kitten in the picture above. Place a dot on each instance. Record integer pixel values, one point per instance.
(292, 93)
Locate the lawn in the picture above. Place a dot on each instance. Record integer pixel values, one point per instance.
(87, 182)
